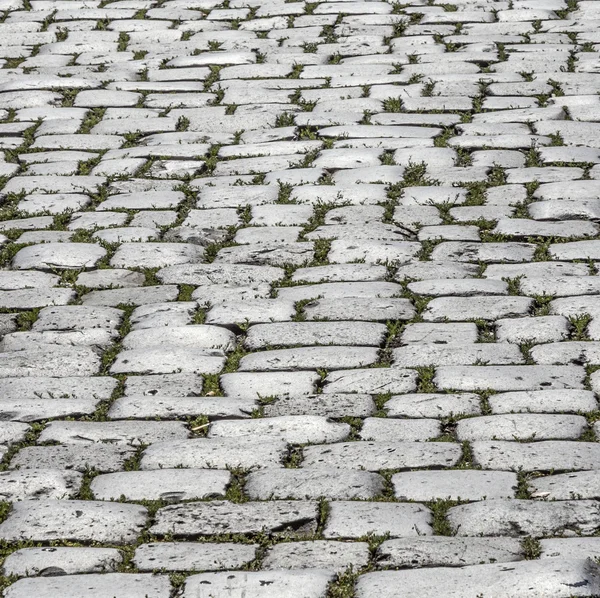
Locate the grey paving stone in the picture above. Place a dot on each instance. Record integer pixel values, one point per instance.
(175, 385)
(543, 401)
(221, 517)
(190, 556)
(543, 329)
(165, 406)
(423, 354)
(496, 578)
(310, 358)
(517, 517)
(248, 311)
(358, 308)
(443, 309)
(442, 551)
(356, 519)
(293, 429)
(264, 584)
(168, 360)
(576, 485)
(262, 336)
(132, 433)
(75, 520)
(557, 455)
(39, 484)
(310, 483)
(172, 485)
(371, 381)
(392, 430)
(61, 560)
(521, 426)
(568, 548)
(374, 456)
(213, 274)
(268, 384)
(57, 360)
(322, 554)
(504, 378)
(327, 405)
(433, 405)
(79, 458)
(58, 256)
(115, 585)
(454, 485)
(50, 387)
(192, 336)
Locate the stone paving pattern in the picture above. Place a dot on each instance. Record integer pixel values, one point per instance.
(299, 299)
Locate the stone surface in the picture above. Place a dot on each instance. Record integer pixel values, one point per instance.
(117, 585)
(524, 579)
(79, 521)
(282, 271)
(439, 551)
(265, 584)
(354, 519)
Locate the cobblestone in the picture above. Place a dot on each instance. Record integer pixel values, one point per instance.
(278, 278)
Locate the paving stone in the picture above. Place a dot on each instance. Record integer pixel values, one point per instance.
(73, 586)
(391, 430)
(59, 360)
(194, 336)
(165, 406)
(476, 308)
(269, 384)
(293, 429)
(313, 483)
(576, 485)
(579, 548)
(323, 554)
(48, 387)
(433, 405)
(39, 484)
(374, 456)
(130, 433)
(219, 453)
(447, 552)
(359, 308)
(168, 360)
(504, 378)
(514, 517)
(315, 333)
(172, 485)
(422, 354)
(190, 556)
(521, 427)
(78, 521)
(327, 405)
(219, 517)
(79, 458)
(264, 584)
(57, 256)
(557, 455)
(454, 485)
(498, 578)
(371, 381)
(543, 401)
(355, 519)
(61, 560)
(309, 358)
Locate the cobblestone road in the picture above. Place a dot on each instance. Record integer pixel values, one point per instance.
(299, 299)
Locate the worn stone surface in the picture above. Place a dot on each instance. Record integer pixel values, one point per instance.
(526, 579)
(273, 263)
(439, 551)
(61, 560)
